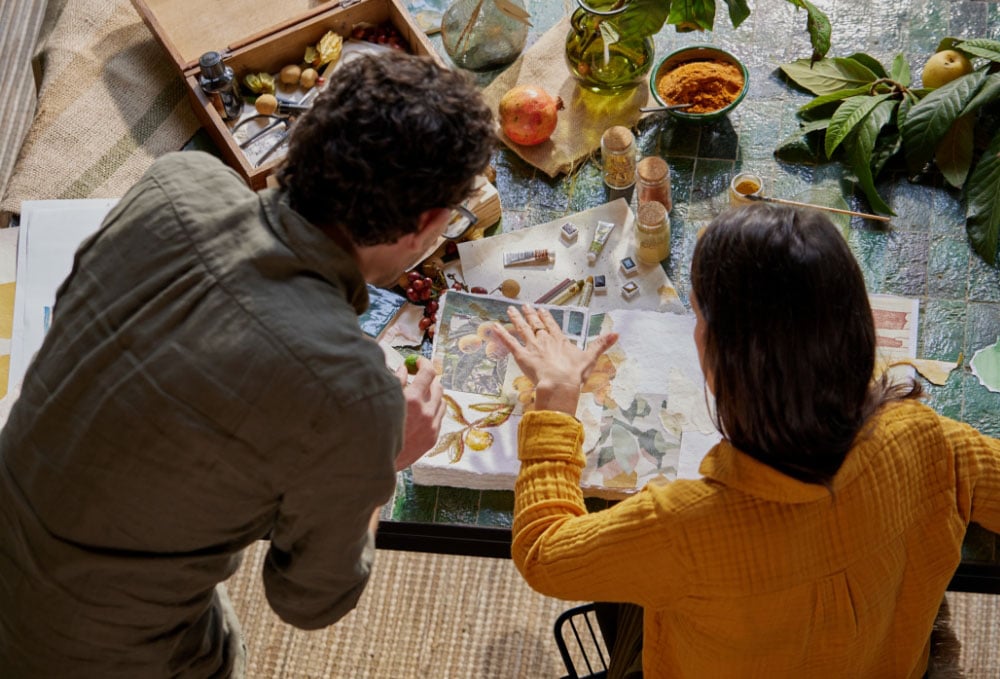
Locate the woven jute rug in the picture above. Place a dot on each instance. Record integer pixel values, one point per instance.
(431, 616)
(110, 102)
(426, 616)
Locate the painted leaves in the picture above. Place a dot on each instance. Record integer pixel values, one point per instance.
(473, 434)
(866, 115)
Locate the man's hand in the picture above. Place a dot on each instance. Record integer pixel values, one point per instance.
(424, 411)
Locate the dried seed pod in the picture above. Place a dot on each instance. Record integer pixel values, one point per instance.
(510, 288)
(290, 74)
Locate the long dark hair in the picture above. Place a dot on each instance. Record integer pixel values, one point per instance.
(790, 338)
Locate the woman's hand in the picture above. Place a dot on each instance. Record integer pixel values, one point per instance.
(548, 358)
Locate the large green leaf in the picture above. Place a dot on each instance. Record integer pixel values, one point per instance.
(692, 13)
(847, 116)
(738, 11)
(900, 71)
(886, 146)
(987, 49)
(832, 97)
(828, 75)
(642, 18)
(990, 91)
(860, 147)
(982, 210)
(954, 151)
(873, 64)
(928, 120)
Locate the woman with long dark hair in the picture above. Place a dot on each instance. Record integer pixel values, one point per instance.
(828, 521)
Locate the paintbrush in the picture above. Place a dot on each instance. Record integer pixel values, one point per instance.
(795, 203)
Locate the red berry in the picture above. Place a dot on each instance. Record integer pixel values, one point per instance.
(457, 286)
(432, 306)
(414, 276)
(425, 323)
(418, 284)
(412, 295)
(479, 290)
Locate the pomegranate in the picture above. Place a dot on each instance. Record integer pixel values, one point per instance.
(528, 114)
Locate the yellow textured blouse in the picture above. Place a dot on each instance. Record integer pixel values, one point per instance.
(748, 572)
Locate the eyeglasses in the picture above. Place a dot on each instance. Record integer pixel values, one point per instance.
(461, 220)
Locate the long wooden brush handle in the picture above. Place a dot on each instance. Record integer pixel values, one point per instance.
(795, 203)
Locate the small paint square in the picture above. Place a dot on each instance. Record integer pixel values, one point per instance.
(629, 267)
(600, 285)
(630, 290)
(569, 233)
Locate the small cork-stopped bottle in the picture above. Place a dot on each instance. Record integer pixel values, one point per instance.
(652, 233)
(618, 161)
(654, 181)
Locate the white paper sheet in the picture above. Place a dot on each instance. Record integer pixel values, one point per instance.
(50, 233)
(482, 261)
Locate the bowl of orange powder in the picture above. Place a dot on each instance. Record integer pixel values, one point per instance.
(710, 79)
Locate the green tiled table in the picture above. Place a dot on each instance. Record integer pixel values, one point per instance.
(925, 254)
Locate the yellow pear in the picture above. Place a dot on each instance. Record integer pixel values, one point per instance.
(943, 67)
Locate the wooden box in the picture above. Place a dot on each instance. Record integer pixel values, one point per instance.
(259, 36)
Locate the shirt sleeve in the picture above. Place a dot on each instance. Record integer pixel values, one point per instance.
(613, 555)
(977, 460)
(322, 549)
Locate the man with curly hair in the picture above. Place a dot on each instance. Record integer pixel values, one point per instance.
(205, 384)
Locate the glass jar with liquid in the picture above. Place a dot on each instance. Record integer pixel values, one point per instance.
(652, 235)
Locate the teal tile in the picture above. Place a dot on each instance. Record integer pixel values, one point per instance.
(413, 502)
(719, 139)
(496, 509)
(869, 246)
(758, 133)
(981, 407)
(984, 280)
(709, 189)
(948, 398)
(588, 188)
(457, 506)
(982, 325)
(913, 206)
(906, 264)
(947, 213)
(942, 329)
(948, 268)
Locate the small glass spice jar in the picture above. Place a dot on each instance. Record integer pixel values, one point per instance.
(653, 181)
(743, 185)
(618, 161)
(652, 233)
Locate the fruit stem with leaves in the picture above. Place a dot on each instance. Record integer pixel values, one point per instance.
(868, 116)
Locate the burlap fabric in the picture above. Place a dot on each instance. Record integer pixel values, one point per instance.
(110, 102)
(586, 115)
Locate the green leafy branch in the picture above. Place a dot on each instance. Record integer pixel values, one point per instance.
(643, 18)
(867, 116)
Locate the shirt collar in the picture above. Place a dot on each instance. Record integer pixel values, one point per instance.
(737, 470)
(316, 249)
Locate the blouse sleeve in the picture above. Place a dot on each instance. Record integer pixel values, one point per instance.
(623, 553)
(977, 459)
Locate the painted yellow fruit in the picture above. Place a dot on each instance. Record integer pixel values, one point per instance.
(943, 67)
(469, 344)
(477, 439)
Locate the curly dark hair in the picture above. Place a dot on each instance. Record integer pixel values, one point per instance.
(391, 136)
(790, 338)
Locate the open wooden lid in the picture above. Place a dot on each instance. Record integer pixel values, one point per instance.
(189, 28)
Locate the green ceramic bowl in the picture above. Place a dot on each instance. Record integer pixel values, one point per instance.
(697, 53)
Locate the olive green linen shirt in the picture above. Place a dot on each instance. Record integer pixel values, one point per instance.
(747, 572)
(204, 385)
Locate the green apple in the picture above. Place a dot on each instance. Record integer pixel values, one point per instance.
(945, 66)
